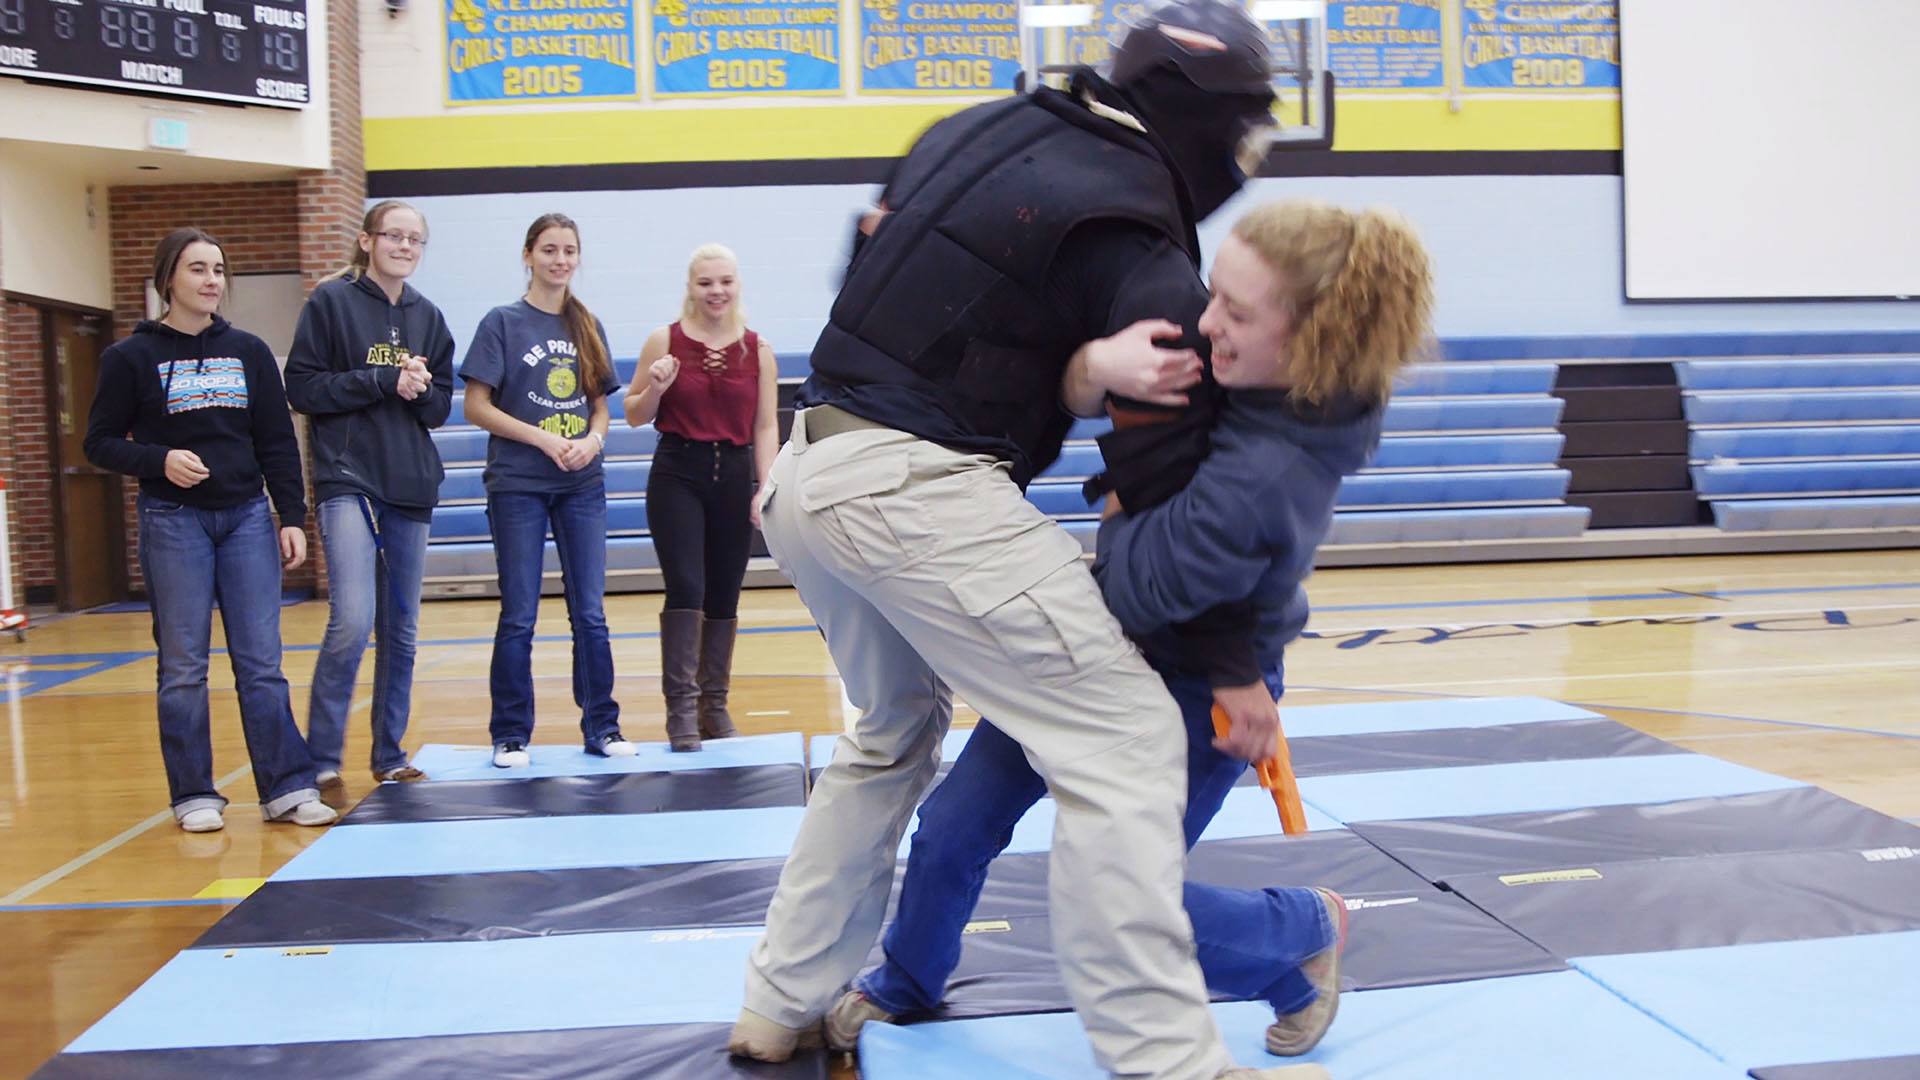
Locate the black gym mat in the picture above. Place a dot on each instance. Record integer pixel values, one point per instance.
(600, 793)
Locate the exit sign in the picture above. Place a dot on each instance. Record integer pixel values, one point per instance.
(167, 134)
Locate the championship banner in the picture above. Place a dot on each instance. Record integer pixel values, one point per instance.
(1511, 46)
(1376, 46)
(922, 47)
(745, 47)
(508, 51)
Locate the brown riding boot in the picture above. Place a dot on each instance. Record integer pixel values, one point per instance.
(715, 677)
(679, 660)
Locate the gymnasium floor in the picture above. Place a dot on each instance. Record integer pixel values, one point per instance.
(1807, 666)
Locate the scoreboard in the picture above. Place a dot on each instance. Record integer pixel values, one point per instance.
(250, 51)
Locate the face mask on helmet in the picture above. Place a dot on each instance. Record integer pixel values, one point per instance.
(1216, 140)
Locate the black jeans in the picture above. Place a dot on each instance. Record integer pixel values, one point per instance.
(698, 498)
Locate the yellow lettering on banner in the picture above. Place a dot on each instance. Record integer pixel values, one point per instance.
(470, 53)
(810, 16)
(469, 15)
(534, 24)
(1545, 876)
(1488, 48)
(953, 74)
(616, 49)
(1371, 15)
(676, 45)
(964, 12)
(534, 80)
(1537, 13)
(997, 48)
(819, 44)
(881, 51)
(1602, 47)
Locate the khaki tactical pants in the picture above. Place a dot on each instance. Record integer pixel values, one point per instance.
(928, 569)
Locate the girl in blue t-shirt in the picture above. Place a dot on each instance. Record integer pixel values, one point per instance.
(537, 374)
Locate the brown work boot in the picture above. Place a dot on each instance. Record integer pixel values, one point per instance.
(754, 1036)
(679, 660)
(1300, 1031)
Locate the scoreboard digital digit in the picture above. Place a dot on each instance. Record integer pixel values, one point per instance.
(251, 51)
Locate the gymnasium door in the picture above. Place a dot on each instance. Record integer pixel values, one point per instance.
(89, 540)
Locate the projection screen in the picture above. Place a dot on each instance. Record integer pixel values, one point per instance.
(1772, 148)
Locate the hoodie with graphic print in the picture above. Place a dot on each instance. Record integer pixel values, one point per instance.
(344, 373)
(216, 393)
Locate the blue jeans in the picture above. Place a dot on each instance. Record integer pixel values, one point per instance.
(373, 584)
(519, 520)
(1250, 942)
(191, 557)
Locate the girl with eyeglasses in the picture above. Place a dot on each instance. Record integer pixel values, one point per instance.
(193, 407)
(372, 366)
(538, 372)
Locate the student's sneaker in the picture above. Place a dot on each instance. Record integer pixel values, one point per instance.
(333, 790)
(1300, 1031)
(853, 1011)
(205, 819)
(405, 774)
(1279, 1072)
(614, 745)
(311, 812)
(511, 755)
(754, 1036)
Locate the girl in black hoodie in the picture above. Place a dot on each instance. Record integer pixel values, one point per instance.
(208, 421)
(372, 366)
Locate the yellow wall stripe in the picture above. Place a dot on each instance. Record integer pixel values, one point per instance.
(800, 132)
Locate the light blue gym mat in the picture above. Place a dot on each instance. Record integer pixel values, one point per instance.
(1526, 1027)
(443, 761)
(1530, 786)
(1308, 721)
(414, 849)
(245, 997)
(1827, 999)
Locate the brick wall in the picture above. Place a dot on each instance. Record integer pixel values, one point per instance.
(29, 466)
(23, 430)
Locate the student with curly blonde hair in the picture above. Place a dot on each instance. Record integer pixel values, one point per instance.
(1313, 311)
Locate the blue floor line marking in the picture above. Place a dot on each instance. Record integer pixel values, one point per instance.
(103, 905)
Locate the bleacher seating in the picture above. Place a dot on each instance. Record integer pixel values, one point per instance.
(1472, 452)
(1789, 444)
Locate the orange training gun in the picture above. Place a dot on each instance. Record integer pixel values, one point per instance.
(1276, 775)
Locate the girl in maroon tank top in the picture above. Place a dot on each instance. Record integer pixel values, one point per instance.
(709, 386)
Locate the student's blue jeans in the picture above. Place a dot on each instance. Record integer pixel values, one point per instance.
(190, 558)
(520, 521)
(1250, 942)
(373, 585)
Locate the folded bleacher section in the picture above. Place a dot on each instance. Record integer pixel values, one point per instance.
(1534, 890)
(1806, 444)
(1469, 453)
(1481, 459)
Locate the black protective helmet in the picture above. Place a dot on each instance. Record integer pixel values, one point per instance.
(1215, 44)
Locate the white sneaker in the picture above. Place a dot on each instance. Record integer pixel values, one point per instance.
(205, 819)
(617, 747)
(311, 812)
(1279, 1072)
(511, 755)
